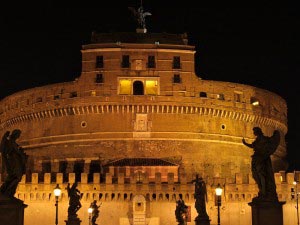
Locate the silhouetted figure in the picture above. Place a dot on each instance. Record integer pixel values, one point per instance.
(14, 162)
(181, 212)
(96, 211)
(261, 164)
(200, 197)
(74, 201)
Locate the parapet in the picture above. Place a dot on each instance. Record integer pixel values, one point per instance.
(237, 189)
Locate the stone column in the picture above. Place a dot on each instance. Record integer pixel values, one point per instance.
(266, 213)
(11, 211)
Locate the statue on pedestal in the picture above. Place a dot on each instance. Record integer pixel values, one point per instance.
(95, 212)
(13, 162)
(201, 199)
(74, 201)
(181, 212)
(261, 165)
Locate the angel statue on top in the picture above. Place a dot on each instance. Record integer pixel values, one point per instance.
(140, 16)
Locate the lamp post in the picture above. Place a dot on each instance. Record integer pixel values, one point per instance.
(57, 193)
(90, 211)
(294, 193)
(218, 194)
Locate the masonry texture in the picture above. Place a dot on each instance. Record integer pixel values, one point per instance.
(136, 119)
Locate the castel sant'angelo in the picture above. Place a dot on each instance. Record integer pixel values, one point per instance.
(135, 128)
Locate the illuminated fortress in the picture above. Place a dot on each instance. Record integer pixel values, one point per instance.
(137, 126)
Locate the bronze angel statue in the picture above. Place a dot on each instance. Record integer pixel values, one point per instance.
(74, 201)
(261, 165)
(140, 16)
(13, 162)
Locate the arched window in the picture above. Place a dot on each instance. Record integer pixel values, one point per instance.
(138, 88)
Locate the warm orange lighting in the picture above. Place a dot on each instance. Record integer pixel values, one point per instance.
(151, 87)
(125, 87)
(57, 191)
(219, 190)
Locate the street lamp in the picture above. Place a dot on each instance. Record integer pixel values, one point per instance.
(294, 194)
(218, 194)
(57, 193)
(90, 211)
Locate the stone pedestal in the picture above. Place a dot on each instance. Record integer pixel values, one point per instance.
(75, 221)
(11, 211)
(202, 221)
(266, 213)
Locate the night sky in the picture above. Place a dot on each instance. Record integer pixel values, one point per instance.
(253, 46)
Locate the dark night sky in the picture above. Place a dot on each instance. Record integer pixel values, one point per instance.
(253, 46)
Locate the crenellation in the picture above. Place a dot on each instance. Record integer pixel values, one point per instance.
(290, 178)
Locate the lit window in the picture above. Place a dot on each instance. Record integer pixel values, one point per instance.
(220, 97)
(125, 87)
(254, 101)
(151, 87)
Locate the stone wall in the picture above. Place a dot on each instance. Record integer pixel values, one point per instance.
(116, 198)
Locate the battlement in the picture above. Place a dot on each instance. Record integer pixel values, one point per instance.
(120, 190)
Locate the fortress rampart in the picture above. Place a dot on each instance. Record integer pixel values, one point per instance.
(160, 197)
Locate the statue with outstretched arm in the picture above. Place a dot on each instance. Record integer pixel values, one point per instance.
(261, 164)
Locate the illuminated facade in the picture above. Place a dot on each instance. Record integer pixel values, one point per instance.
(137, 125)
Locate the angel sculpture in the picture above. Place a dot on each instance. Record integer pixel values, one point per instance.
(140, 15)
(261, 164)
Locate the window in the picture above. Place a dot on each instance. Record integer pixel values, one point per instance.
(99, 61)
(125, 61)
(56, 97)
(138, 88)
(73, 94)
(125, 87)
(151, 87)
(254, 101)
(99, 78)
(176, 62)
(39, 99)
(237, 97)
(176, 78)
(220, 96)
(203, 94)
(151, 61)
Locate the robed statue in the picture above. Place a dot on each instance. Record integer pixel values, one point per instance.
(261, 165)
(13, 162)
(200, 198)
(181, 212)
(74, 201)
(95, 212)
